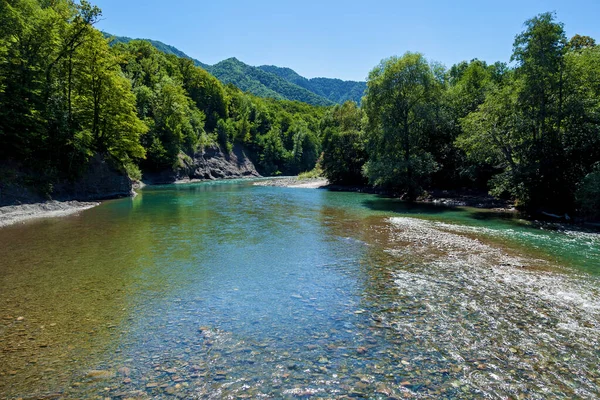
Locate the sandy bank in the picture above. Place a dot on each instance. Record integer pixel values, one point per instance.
(10, 215)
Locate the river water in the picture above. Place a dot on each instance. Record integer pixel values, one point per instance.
(229, 290)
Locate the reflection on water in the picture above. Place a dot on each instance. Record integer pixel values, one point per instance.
(226, 290)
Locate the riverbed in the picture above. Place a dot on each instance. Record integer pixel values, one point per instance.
(231, 290)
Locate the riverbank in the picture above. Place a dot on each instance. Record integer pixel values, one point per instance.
(451, 198)
(10, 215)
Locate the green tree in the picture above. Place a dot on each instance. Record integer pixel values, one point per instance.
(177, 126)
(206, 91)
(400, 104)
(579, 42)
(540, 56)
(104, 106)
(495, 135)
(344, 153)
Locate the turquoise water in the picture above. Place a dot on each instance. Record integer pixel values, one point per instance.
(229, 290)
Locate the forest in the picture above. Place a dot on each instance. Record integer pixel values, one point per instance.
(527, 130)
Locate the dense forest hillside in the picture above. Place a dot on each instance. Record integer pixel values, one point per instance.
(263, 84)
(335, 90)
(68, 98)
(270, 81)
(160, 46)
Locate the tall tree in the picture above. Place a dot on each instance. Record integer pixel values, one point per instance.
(104, 104)
(400, 106)
(344, 151)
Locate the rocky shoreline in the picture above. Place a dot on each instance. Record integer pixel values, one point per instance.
(208, 164)
(294, 182)
(466, 198)
(10, 215)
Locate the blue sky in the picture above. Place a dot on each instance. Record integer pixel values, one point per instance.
(339, 39)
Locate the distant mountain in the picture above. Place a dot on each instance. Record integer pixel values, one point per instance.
(335, 90)
(165, 48)
(262, 83)
(268, 80)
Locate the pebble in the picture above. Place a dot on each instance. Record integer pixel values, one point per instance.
(100, 374)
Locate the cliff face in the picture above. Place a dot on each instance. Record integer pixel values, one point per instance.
(211, 163)
(100, 180)
(103, 180)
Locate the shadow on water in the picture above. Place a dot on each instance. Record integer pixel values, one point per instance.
(465, 213)
(485, 215)
(387, 204)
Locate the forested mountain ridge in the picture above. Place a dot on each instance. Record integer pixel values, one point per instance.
(264, 84)
(160, 46)
(270, 81)
(335, 90)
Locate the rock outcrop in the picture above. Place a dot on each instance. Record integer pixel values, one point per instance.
(211, 163)
(103, 179)
(100, 180)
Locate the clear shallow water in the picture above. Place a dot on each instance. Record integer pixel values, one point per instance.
(227, 290)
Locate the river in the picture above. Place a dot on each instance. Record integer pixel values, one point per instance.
(229, 290)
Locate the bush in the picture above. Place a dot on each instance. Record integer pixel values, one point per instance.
(316, 172)
(133, 171)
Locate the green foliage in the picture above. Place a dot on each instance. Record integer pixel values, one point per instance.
(206, 91)
(133, 171)
(579, 42)
(344, 151)
(316, 172)
(493, 135)
(160, 46)
(103, 104)
(335, 90)
(63, 97)
(178, 125)
(186, 107)
(225, 133)
(540, 123)
(266, 81)
(401, 102)
(261, 83)
(588, 194)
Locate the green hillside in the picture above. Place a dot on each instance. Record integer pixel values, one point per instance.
(335, 90)
(269, 81)
(262, 83)
(160, 46)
